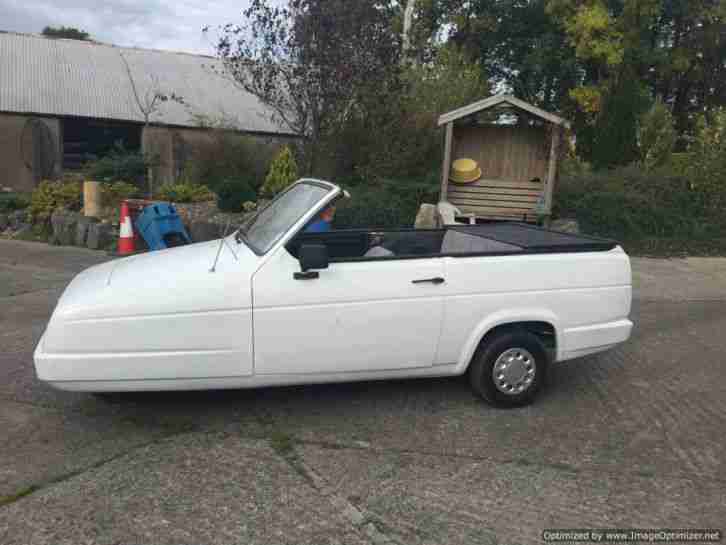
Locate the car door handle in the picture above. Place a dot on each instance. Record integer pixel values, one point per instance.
(437, 280)
(308, 275)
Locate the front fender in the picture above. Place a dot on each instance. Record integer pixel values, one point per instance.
(500, 318)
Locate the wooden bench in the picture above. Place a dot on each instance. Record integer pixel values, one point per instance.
(497, 199)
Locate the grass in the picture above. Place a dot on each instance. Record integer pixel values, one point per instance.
(12, 498)
(282, 443)
(37, 233)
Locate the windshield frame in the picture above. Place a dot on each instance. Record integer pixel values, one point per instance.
(333, 191)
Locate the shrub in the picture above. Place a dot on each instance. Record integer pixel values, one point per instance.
(615, 131)
(225, 155)
(705, 165)
(399, 137)
(232, 194)
(115, 192)
(385, 203)
(185, 192)
(50, 195)
(656, 136)
(13, 201)
(120, 165)
(631, 204)
(283, 172)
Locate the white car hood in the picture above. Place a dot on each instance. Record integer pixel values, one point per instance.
(167, 281)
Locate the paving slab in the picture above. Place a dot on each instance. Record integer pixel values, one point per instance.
(633, 437)
(424, 498)
(199, 488)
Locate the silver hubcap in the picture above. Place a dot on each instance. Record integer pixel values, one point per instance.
(514, 371)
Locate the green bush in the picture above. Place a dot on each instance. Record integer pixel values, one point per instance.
(283, 172)
(616, 129)
(120, 165)
(185, 192)
(13, 201)
(631, 204)
(224, 154)
(385, 203)
(399, 137)
(705, 165)
(232, 194)
(50, 195)
(656, 136)
(115, 192)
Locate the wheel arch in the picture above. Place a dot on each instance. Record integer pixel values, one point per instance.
(529, 320)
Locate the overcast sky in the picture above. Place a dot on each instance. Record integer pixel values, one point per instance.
(160, 24)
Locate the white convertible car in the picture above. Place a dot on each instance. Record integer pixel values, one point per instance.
(272, 304)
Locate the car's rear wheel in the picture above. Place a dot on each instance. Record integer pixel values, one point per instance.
(509, 368)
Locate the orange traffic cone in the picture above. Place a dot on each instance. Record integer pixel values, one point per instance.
(126, 236)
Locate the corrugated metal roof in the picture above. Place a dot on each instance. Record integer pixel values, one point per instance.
(87, 79)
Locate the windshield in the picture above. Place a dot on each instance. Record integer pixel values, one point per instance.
(267, 227)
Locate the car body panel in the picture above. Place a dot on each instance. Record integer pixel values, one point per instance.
(154, 316)
(221, 315)
(565, 290)
(355, 317)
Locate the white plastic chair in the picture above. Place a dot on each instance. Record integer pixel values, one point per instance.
(448, 214)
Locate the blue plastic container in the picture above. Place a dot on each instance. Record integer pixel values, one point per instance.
(161, 227)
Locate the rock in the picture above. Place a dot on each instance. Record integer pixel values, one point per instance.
(82, 227)
(196, 211)
(17, 218)
(63, 223)
(4, 222)
(23, 231)
(201, 231)
(99, 236)
(426, 217)
(566, 226)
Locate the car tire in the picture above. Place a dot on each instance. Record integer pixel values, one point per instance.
(521, 362)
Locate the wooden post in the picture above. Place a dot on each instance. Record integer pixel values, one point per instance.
(92, 199)
(552, 167)
(448, 141)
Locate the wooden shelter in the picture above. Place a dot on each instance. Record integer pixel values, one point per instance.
(516, 146)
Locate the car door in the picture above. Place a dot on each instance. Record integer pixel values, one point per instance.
(356, 317)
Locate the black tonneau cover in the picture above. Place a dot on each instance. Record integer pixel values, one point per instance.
(536, 239)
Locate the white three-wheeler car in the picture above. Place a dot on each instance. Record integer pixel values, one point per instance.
(272, 304)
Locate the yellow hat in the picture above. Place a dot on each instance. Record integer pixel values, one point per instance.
(465, 171)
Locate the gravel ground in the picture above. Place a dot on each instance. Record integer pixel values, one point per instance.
(631, 438)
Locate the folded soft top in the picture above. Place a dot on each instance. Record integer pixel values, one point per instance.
(535, 239)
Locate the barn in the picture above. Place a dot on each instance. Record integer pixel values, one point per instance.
(63, 102)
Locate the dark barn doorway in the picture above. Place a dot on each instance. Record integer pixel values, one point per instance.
(88, 139)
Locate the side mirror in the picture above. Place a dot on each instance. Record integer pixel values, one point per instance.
(313, 257)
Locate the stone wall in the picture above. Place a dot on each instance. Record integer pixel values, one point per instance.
(204, 221)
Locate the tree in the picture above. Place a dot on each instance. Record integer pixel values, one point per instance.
(283, 172)
(311, 60)
(149, 103)
(520, 47)
(615, 131)
(69, 33)
(706, 163)
(400, 137)
(656, 136)
(407, 23)
(675, 48)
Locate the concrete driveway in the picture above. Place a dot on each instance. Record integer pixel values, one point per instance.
(632, 438)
